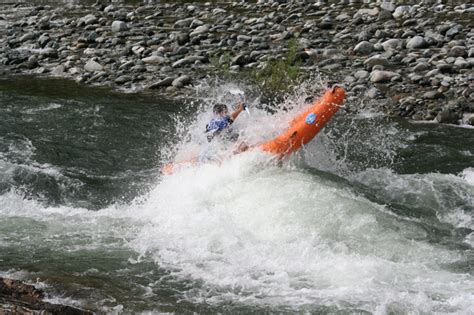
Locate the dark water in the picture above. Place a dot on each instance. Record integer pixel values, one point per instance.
(374, 216)
(103, 142)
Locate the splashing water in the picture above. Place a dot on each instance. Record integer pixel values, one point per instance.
(257, 234)
(343, 225)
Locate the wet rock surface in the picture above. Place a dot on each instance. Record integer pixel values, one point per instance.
(17, 297)
(422, 52)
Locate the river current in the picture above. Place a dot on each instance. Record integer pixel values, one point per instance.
(375, 215)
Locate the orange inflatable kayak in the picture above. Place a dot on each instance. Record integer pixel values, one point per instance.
(306, 125)
(302, 129)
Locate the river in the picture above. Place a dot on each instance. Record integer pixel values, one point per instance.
(375, 215)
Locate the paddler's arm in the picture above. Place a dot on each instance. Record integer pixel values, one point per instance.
(240, 108)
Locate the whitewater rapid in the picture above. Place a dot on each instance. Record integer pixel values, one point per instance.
(334, 228)
(282, 237)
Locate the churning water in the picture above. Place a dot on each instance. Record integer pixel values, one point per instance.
(374, 216)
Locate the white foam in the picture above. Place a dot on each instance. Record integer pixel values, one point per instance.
(47, 107)
(468, 175)
(281, 237)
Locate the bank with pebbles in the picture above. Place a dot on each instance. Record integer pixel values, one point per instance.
(416, 61)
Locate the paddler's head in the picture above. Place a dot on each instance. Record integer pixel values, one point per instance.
(220, 109)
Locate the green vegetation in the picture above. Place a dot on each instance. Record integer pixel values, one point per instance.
(279, 76)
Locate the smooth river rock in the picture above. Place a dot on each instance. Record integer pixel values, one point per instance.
(92, 66)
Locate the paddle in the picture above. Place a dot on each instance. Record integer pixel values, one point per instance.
(240, 95)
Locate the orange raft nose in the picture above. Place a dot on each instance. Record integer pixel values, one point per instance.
(304, 127)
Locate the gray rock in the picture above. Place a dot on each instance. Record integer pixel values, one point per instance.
(330, 52)
(162, 83)
(453, 31)
(181, 51)
(361, 74)
(32, 62)
(378, 76)
(461, 63)
(244, 38)
(182, 38)
(447, 116)
(387, 6)
(92, 66)
(138, 50)
(89, 19)
(417, 116)
(181, 81)
(200, 30)
(376, 60)
(401, 11)
(420, 67)
(471, 52)
(48, 52)
(392, 44)
(119, 26)
(43, 40)
(468, 119)
(369, 12)
(432, 73)
(123, 79)
(27, 37)
(109, 8)
(58, 71)
(364, 48)
(325, 23)
(139, 68)
(432, 95)
(364, 35)
(185, 61)
(196, 23)
(91, 37)
(183, 23)
(332, 67)
(218, 11)
(458, 51)
(384, 15)
(415, 77)
(446, 68)
(342, 17)
(239, 60)
(417, 42)
(156, 60)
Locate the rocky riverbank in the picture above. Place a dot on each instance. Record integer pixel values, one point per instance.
(17, 297)
(416, 61)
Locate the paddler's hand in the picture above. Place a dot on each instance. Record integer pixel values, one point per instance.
(240, 107)
(238, 110)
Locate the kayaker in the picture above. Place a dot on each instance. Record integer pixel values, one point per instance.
(220, 125)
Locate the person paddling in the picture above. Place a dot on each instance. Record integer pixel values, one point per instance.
(220, 125)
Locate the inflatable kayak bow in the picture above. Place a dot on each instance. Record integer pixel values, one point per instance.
(302, 129)
(306, 125)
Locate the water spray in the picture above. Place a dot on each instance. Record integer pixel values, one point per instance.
(240, 94)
